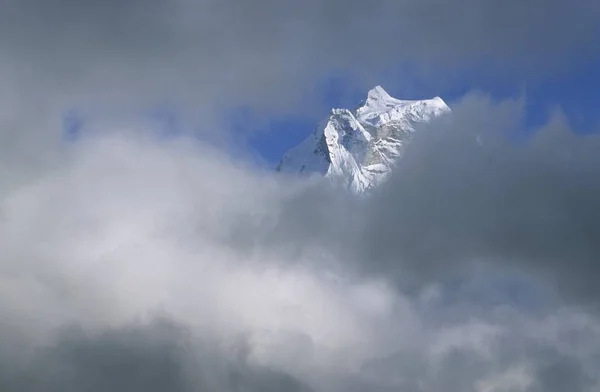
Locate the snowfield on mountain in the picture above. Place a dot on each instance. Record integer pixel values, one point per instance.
(357, 149)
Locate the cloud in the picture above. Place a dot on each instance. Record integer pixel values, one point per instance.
(158, 357)
(124, 228)
(194, 269)
(207, 53)
(531, 205)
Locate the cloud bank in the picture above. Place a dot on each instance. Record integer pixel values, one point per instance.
(137, 263)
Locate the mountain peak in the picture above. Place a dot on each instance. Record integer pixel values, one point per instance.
(359, 148)
(377, 93)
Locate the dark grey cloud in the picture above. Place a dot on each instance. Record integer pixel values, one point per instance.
(463, 369)
(162, 355)
(531, 205)
(158, 356)
(232, 52)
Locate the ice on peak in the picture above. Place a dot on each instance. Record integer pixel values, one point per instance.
(359, 148)
(377, 93)
(380, 109)
(377, 99)
(342, 123)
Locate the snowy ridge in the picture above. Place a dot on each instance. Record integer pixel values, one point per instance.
(358, 149)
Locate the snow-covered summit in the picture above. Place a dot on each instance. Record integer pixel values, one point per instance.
(358, 149)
